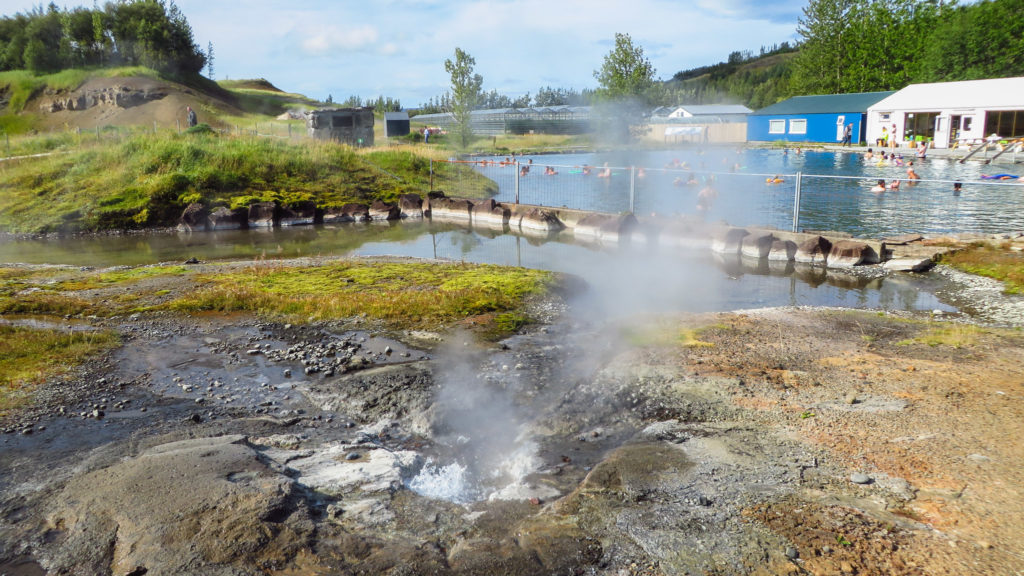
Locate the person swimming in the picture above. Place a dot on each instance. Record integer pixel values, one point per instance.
(879, 187)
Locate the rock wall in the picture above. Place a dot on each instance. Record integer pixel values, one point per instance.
(115, 96)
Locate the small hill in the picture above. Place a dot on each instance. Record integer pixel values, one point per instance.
(127, 101)
(135, 97)
(251, 84)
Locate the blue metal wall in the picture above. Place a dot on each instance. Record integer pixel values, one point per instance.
(820, 127)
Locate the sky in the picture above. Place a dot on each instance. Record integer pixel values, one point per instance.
(397, 48)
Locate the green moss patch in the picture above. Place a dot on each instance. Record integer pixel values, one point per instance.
(992, 262)
(29, 357)
(416, 294)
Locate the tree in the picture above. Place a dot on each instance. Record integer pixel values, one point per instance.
(826, 29)
(465, 93)
(209, 60)
(626, 89)
(625, 73)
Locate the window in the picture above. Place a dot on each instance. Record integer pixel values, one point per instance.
(776, 126)
(883, 116)
(1005, 123)
(919, 127)
(798, 126)
(342, 122)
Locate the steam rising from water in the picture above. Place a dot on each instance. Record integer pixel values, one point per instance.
(491, 449)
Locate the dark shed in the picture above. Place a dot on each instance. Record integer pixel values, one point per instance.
(353, 126)
(396, 124)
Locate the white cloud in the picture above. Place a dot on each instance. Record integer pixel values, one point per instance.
(323, 39)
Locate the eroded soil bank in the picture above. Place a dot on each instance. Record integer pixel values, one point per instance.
(781, 441)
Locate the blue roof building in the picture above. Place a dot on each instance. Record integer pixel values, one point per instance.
(813, 118)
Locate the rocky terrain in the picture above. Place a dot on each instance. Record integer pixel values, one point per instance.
(777, 441)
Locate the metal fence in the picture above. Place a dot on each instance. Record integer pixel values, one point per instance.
(791, 201)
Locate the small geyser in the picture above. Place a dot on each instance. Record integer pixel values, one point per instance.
(443, 483)
(485, 449)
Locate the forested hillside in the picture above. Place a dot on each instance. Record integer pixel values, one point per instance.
(865, 46)
(150, 33)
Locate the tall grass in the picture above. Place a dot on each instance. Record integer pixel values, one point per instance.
(146, 180)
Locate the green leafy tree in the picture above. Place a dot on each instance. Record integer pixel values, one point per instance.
(465, 94)
(626, 72)
(827, 30)
(209, 60)
(626, 88)
(43, 46)
(975, 41)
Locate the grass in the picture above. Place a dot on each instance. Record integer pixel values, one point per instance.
(121, 276)
(400, 294)
(29, 357)
(146, 180)
(951, 335)
(23, 85)
(992, 262)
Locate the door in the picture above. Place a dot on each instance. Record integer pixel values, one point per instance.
(954, 129)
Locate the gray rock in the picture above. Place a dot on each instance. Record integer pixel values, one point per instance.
(860, 478)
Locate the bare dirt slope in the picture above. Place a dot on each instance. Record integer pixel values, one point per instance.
(141, 102)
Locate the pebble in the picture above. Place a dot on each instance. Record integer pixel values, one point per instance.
(860, 478)
(792, 553)
(851, 397)
(353, 456)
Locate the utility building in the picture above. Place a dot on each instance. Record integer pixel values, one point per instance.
(951, 114)
(396, 124)
(814, 118)
(699, 123)
(352, 126)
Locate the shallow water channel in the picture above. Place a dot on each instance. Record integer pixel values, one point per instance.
(622, 280)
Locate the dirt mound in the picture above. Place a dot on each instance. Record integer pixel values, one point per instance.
(127, 101)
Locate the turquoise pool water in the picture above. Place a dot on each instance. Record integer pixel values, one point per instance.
(835, 192)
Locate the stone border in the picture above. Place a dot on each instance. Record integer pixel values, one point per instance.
(910, 253)
(835, 250)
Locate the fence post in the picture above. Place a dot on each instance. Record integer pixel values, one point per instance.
(632, 189)
(517, 182)
(796, 203)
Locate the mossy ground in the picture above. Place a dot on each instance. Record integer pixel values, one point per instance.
(993, 262)
(399, 294)
(30, 356)
(393, 295)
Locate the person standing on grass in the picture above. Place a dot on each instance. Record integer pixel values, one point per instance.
(190, 116)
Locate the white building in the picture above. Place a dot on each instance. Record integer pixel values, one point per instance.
(693, 110)
(948, 114)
